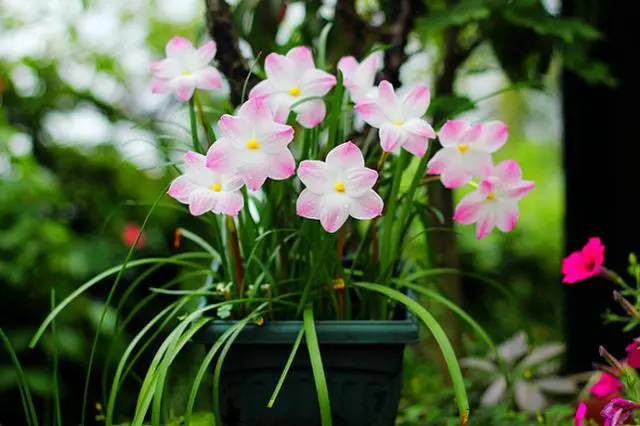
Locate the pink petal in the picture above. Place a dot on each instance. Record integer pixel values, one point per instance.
(208, 79)
(387, 94)
(452, 132)
(234, 128)
(205, 54)
(201, 201)
(416, 145)
(229, 203)
(359, 181)
(263, 89)
(221, 156)
(371, 112)
(454, 177)
(367, 206)
(279, 68)
(520, 189)
(348, 65)
(316, 176)
(477, 164)
(486, 187)
(345, 156)
(389, 102)
(494, 135)
(442, 160)
(309, 204)
(507, 217)
(165, 69)
(178, 47)
(419, 127)
(185, 86)
(255, 110)
(301, 57)
(508, 171)
(194, 159)
(416, 102)
(254, 176)
(366, 72)
(311, 113)
(180, 189)
(159, 85)
(317, 82)
(468, 210)
(390, 137)
(334, 213)
(282, 166)
(274, 137)
(484, 225)
(232, 182)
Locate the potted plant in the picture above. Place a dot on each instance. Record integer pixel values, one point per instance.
(310, 297)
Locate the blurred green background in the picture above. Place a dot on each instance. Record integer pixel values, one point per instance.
(84, 148)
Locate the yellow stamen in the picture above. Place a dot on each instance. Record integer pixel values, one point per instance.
(216, 187)
(528, 374)
(463, 147)
(398, 123)
(339, 186)
(187, 73)
(491, 196)
(253, 144)
(294, 91)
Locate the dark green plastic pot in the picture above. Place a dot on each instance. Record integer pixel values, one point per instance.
(362, 362)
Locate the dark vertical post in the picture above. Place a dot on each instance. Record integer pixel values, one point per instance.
(602, 171)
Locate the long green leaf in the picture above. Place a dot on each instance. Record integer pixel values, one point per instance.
(286, 369)
(316, 365)
(322, 46)
(438, 334)
(23, 384)
(56, 384)
(194, 125)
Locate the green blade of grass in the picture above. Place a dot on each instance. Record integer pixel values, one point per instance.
(438, 334)
(194, 125)
(334, 116)
(23, 384)
(322, 46)
(56, 385)
(286, 369)
(316, 366)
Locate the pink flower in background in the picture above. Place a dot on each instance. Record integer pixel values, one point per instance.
(399, 119)
(606, 386)
(581, 413)
(338, 188)
(617, 411)
(495, 202)
(205, 190)
(585, 263)
(633, 354)
(290, 79)
(253, 144)
(466, 151)
(360, 77)
(185, 69)
(130, 233)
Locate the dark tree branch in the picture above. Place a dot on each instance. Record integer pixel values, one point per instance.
(358, 32)
(232, 64)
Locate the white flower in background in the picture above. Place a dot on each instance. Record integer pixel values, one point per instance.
(224, 311)
(531, 373)
(185, 69)
(223, 288)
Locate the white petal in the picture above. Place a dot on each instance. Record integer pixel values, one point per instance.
(543, 353)
(495, 392)
(309, 204)
(512, 349)
(316, 176)
(335, 211)
(559, 385)
(367, 206)
(345, 156)
(528, 397)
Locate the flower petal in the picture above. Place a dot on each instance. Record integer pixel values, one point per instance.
(419, 127)
(263, 89)
(316, 176)
(348, 65)
(493, 136)
(194, 159)
(485, 224)
(311, 113)
(255, 110)
(512, 349)
(345, 156)
(520, 189)
(254, 175)
(371, 112)
(366, 72)
(165, 69)
(160, 86)
(309, 204)
(476, 163)
(416, 145)
(478, 364)
(229, 203)
(528, 397)
(232, 183)
(185, 86)
(205, 54)
(454, 177)
(416, 102)
(335, 212)
(543, 353)
(317, 82)
(181, 188)
(178, 47)
(495, 392)
(279, 69)
(367, 206)
(444, 159)
(274, 137)
(506, 216)
(390, 137)
(221, 156)
(208, 79)
(201, 200)
(360, 181)
(302, 58)
(469, 209)
(389, 102)
(235, 129)
(282, 165)
(508, 171)
(452, 131)
(559, 385)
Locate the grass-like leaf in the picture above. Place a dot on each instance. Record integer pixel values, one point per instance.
(57, 412)
(286, 369)
(316, 365)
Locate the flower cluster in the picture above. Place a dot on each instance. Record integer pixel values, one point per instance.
(253, 144)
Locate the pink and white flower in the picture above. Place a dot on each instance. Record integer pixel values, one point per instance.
(253, 144)
(338, 188)
(359, 78)
(206, 190)
(466, 151)
(495, 202)
(399, 119)
(290, 79)
(185, 69)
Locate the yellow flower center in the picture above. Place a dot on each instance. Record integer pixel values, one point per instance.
(187, 73)
(528, 374)
(398, 122)
(294, 91)
(216, 187)
(253, 144)
(339, 186)
(491, 196)
(463, 147)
